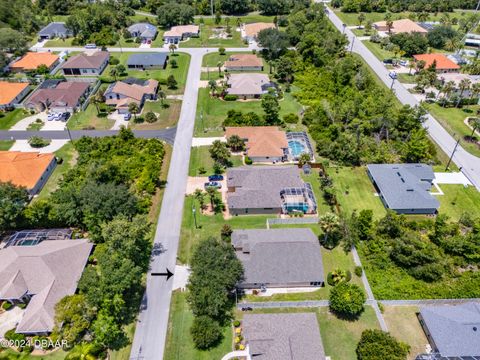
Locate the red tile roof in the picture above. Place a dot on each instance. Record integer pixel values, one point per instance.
(443, 63)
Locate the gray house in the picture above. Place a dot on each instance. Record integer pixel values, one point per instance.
(54, 30)
(283, 336)
(144, 31)
(452, 331)
(279, 258)
(405, 188)
(268, 190)
(87, 63)
(147, 61)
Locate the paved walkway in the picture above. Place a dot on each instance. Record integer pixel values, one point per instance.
(428, 302)
(206, 141)
(451, 178)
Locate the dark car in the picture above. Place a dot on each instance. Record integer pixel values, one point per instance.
(215, 178)
(388, 61)
(213, 184)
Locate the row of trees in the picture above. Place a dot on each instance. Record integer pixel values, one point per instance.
(406, 5)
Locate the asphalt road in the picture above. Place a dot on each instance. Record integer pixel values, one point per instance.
(469, 164)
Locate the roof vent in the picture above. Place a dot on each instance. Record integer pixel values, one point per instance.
(409, 189)
(474, 328)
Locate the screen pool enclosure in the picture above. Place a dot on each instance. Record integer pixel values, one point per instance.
(298, 143)
(33, 237)
(298, 199)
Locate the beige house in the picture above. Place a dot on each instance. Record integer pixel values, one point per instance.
(179, 33)
(122, 93)
(244, 62)
(250, 31)
(249, 85)
(400, 26)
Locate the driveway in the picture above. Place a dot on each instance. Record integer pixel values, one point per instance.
(206, 141)
(53, 125)
(119, 121)
(455, 178)
(23, 146)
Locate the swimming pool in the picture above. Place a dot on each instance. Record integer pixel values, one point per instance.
(296, 148)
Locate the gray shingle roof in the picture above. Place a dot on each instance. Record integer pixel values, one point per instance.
(454, 329)
(260, 186)
(279, 256)
(55, 29)
(144, 29)
(405, 186)
(148, 59)
(283, 336)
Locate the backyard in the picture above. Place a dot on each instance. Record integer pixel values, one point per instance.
(201, 163)
(10, 118)
(457, 200)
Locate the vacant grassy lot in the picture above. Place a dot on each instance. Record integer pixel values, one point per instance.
(215, 110)
(458, 200)
(209, 37)
(6, 144)
(89, 118)
(200, 159)
(179, 343)
(167, 116)
(10, 118)
(402, 323)
(355, 191)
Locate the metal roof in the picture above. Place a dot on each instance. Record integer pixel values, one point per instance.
(150, 59)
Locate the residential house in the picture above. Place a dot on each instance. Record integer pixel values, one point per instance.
(122, 93)
(243, 62)
(263, 144)
(30, 170)
(453, 331)
(457, 78)
(181, 32)
(472, 40)
(442, 63)
(268, 190)
(400, 27)
(87, 63)
(54, 30)
(32, 60)
(279, 258)
(42, 274)
(405, 188)
(285, 336)
(11, 93)
(250, 31)
(144, 31)
(59, 96)
(147, 61)
(249, 85)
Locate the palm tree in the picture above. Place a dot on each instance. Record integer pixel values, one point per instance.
(368, 27)
(114, 72)
(199, 195)
(423, 16)
(235, 143)
(411, 65)
(475, 125)
(474, 91)
(361, 18)
(162, 96)
(133, 108)
(328, 223)
(447, 90)
(212, 84)
(212, 193)
(172, 48)
(219, 65)
(463, 85)
(389, 24)
(98, 99)
(84, 351)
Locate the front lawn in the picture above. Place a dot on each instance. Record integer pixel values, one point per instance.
(200, 159)
(208, 38)
(10, 118)
(167, 116)
(89, 118)
(457, 200)
(215, 110)
(6, 144)
(179, 344)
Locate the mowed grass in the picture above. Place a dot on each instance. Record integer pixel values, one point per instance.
(167, 116)
(209, 37)
(215, 111)
(355, 191)
(12, 355)
(179, 344)
(402, 323)
(89, 118)
(6, 144)
(457, 200)
(10, 118)
(200, 159)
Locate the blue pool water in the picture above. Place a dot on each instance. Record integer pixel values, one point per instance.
(296, 147)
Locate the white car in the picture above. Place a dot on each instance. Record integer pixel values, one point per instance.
(90, 46)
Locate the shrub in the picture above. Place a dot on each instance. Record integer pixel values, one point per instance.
(358, 271)
(337, 276)
(206, 332)
(236, 323)
(347, 300)
(22, 305)
(150, 117)
(173, 64)
(248, 161)
(38, 142)
(291, 118)
(201, 170)
(113, 61)
(230, 97)
(221, 51)
(377, 344)
(138, 120)
(12, 335)
(226, 232)
(6, 305)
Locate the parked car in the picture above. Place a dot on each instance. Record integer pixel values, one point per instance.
(393, 74)
(64, 116)
(213, 184)
(215, 178)
(51, 116)
(403, 62)
(388, 61)
(127, 116)
(90, 46)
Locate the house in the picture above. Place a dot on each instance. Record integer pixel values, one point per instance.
(243, 62)
(122, 93)
(453, 331)
(274, 258)
(457, 79)
(268, 190)
(400, 27)
(405, 188)
(472, 40)
(250, 31)
(59, 96)
(32, 60)
(286, 336)
(263, 143)
(11, 93)
(147, 61)
(249, 85)
(144, 31)
(30, 170)
(87, 63)
(442, 63)
(54, 30)
(181, 32)
(44, 274)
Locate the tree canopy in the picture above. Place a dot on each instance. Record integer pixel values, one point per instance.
(378, 345)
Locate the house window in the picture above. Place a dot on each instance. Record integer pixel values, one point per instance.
(84, 71)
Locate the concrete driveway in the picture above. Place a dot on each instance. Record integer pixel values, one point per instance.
(119, 121)
(23, 146)
(54, 125)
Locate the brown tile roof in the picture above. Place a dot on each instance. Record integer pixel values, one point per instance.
(23, 168)
(66, 93)
(252, 30)
(262, 141)
(133, 92)
(247, 60)
(33, 60)
(182, 29)
(402, 26)
(443, 62)
(10, 90)
(89, 60)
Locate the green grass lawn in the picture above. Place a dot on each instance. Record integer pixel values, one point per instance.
(212, 59)
(314, 179)
(179, 344)
(84, 119)
(6, 144)
(12, 355)
(377, 50)
(60, 43)
(355, 191)
(457, 200)
(406, 78)
(68, 154)
(209, 38)
(10, 118)
(402, 323)
(167, 117)
(200, 158)
(452, 119)
(180, 73)
(215, 111)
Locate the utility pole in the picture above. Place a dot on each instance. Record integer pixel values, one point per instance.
(194, 211)
(69, 135)
(201, 120)
(353, 42)
(453, 153)
(211, 6)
